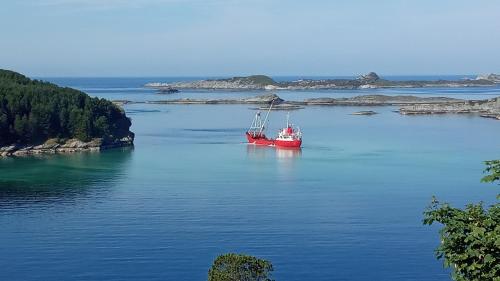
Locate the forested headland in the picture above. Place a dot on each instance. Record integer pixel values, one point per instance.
(33, 111)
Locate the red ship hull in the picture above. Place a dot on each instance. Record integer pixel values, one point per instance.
(263, 140)
(259, 139)
(292, 143)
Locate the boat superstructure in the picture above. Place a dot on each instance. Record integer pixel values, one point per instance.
(289, 136)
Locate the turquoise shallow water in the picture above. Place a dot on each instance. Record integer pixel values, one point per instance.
(348, 206)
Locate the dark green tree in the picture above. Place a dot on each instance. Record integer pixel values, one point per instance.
(237, 267)
(470, 237)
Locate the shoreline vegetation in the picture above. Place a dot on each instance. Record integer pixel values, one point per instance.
(367, 81)
(39, 117)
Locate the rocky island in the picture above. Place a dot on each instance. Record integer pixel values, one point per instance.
(39, 117)
(412, 105)
(364, 112)
(408, 105)
(261, 99)
(495, 78)
(486, 108)
(363, 100)
(370, 80)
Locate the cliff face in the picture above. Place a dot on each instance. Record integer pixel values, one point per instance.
(260, 82)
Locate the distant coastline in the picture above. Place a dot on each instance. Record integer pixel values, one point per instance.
(408, 104)
(368, 81)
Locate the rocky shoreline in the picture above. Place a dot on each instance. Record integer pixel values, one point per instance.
(378, 100)
(261, 99)
(486, 108)
(368, 81)
(55, 146)
(409, 105)
(363, 100)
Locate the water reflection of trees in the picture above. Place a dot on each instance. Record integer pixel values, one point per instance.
(60, 177)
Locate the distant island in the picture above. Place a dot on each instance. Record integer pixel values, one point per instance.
(408, 105)
(368, 81)
(40, 117)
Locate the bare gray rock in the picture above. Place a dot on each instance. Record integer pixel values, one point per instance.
(53, 146)
(486, 108)
(364, 112)
(371, 100)
(262, 99)
(495, 78)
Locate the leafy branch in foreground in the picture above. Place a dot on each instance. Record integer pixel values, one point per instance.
(470, 237)
(492, 167)
(237, 267)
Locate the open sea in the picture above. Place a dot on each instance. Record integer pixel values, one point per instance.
(347, 206)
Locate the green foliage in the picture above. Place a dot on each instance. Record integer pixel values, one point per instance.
(492, 167)
(470, 237)
(470, 240)
(262, 80)
(33, 111)
(236, 267)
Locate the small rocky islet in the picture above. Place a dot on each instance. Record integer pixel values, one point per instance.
(364, 112)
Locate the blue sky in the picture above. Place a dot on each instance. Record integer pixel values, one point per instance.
(240, 37)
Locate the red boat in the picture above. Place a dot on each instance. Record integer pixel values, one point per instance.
(287, 137)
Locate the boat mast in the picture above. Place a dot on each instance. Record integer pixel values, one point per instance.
(256, 124)
(267, 115)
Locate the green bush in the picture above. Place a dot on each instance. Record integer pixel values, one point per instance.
(236, 267)
(470, 237)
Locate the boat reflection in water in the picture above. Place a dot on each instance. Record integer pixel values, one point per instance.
(285, 162)
(288, 152)
(259, 151)
(280, 153)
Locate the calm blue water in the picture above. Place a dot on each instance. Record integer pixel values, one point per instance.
(348, 206)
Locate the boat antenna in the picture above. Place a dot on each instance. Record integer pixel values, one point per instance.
(267, 115)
